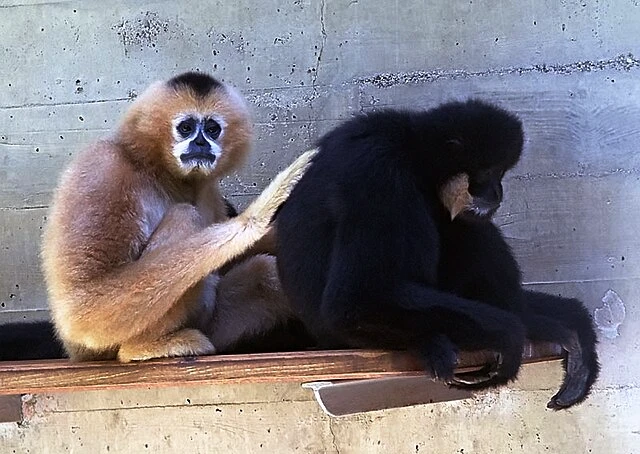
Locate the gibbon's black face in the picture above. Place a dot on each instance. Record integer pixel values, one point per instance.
(197, 141)
(485, 189)
(480, 143)
(473, 196)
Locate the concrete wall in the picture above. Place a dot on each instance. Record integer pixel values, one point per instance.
(570, 69)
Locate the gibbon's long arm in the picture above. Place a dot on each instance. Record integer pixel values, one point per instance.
(567, 322)
(468, 249)
(409, 313)
(136, 295)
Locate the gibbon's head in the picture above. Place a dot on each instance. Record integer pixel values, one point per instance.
(191, 125)
(482, 142)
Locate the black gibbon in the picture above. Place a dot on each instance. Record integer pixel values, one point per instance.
(138, 230)
(386, 242)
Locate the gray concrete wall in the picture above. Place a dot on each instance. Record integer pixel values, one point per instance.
(570, 69)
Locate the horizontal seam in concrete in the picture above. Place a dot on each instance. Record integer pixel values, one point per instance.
(581, 281)
(185, 405)
(19, 5)
(624, 62)
(35, 207)
(569, 175)
(20, 311)
(68, 103)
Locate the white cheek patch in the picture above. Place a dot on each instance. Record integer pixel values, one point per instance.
(215, 149)
(181, 144)
(180, 148)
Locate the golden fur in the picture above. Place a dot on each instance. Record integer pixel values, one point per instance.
(133, 242)
(455, 196)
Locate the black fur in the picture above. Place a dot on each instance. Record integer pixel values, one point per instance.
(201, 84)
(369, 257)
(22, 341)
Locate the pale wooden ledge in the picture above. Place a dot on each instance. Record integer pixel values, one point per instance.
(23, 377)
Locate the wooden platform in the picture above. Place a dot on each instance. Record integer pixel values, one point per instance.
(22, 377)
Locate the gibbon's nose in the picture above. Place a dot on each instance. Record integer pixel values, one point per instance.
(200, 140)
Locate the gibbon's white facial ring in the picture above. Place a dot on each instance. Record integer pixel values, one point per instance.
(197, 141)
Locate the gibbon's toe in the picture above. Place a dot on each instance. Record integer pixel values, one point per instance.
(186, 342)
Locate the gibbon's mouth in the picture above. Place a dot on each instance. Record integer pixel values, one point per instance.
(198, 158)
(478, 211)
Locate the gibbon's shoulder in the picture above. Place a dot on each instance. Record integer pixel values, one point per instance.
(97, 174)
(102, 160)
(372, 146)
(386, 123)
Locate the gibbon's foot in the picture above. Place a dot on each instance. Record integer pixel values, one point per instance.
(571, 392)
(441, 356)
(575, 383)
(277, 192)
(186, 342)
(480, 378)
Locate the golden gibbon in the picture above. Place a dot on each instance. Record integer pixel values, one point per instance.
(139, 229)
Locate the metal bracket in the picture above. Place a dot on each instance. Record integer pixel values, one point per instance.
(11, 408)
(342, 398)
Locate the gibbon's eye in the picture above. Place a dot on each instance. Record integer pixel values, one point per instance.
(185, 127)
(212, 128)
(483, 175)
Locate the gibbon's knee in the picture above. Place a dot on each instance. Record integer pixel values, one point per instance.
(180, 221)
(253, 278)
(249, 302)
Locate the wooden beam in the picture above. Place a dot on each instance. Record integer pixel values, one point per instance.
(20, 377)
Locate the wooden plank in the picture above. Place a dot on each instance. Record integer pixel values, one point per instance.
(10, 408)
(60, 375)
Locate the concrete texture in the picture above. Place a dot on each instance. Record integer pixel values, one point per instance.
(570, 69)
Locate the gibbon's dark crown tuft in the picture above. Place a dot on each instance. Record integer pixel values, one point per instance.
(201, 84)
